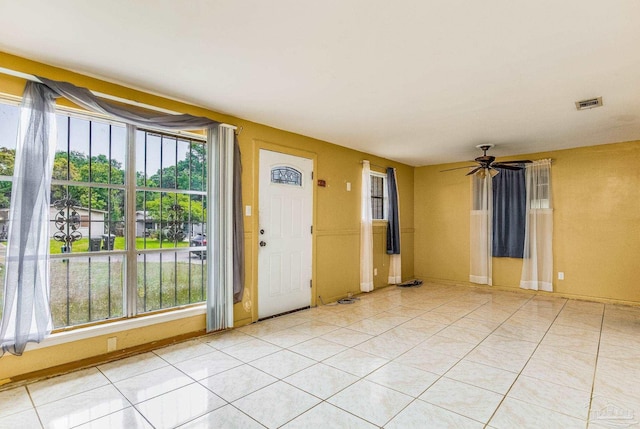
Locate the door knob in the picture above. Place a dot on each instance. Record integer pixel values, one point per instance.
(263, 243)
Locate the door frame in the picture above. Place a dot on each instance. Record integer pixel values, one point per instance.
(255, 212)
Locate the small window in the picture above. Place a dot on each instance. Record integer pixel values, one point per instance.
(379, 196)
(540, 195)
(286, 176)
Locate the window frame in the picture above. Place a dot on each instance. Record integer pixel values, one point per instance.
(130, 312)
(542, 191)
(133, 293)
(385, 196)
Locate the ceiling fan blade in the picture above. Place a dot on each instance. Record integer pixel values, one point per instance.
(522, 161)
(506, 166)
(457, 168)
(474, 171)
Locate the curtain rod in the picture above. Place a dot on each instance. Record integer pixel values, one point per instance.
(376, 165)
(33, 78)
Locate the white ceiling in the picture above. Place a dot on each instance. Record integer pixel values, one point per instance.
(420, 82)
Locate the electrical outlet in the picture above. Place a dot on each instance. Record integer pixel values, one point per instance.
(560, 275)
(112, 344)
(375, 271)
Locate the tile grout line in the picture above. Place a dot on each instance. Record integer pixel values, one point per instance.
(525, 365)
(33, 404)
(595, 367)
(126, 399)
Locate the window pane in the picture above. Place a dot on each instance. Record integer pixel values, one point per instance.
(183, 166)
(171, 220)
(170, 279)
(168, 220)
(61, 168)
(5, 199)
(197, 214)
(9, 116)
(86, 289)
(286, 176)
(167, 214)
(118, 153)
(141, 153)
(86, 219)
(168, 173)
(152, 156)
(377, 197)
(79, 149)
(198, 156)
(99, 164)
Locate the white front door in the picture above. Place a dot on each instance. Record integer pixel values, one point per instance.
(284, 233)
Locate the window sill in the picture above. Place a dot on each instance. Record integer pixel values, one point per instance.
(114, 327)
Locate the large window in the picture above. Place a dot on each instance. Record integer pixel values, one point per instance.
(96, 242)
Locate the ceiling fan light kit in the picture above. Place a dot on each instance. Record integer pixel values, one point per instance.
(486, 163)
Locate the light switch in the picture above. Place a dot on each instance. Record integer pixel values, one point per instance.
(247, 210)
(348, 186)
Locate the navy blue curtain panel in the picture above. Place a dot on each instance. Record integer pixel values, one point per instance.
(393, 229)
(509, 213)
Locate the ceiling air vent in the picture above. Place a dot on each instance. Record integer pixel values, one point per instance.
(589, 104)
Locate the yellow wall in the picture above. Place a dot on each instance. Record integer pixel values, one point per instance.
(596, 240)
(336, 233)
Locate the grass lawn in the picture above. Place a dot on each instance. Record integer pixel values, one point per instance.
(83, 292)
(82, 245)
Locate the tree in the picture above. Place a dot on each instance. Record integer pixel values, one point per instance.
(77, 167)
(7, 161)
(188, 174)
(162, 210)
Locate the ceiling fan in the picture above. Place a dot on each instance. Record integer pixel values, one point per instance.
(486, 162)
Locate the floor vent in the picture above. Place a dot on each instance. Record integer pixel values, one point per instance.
(589, 104)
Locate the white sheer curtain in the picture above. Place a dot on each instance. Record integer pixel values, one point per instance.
(537, 263)
(26, 314)
(220, 224)
(366, 231)
(395, 269)
(480, 228)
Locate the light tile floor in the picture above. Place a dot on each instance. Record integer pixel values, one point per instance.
(430, 357)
